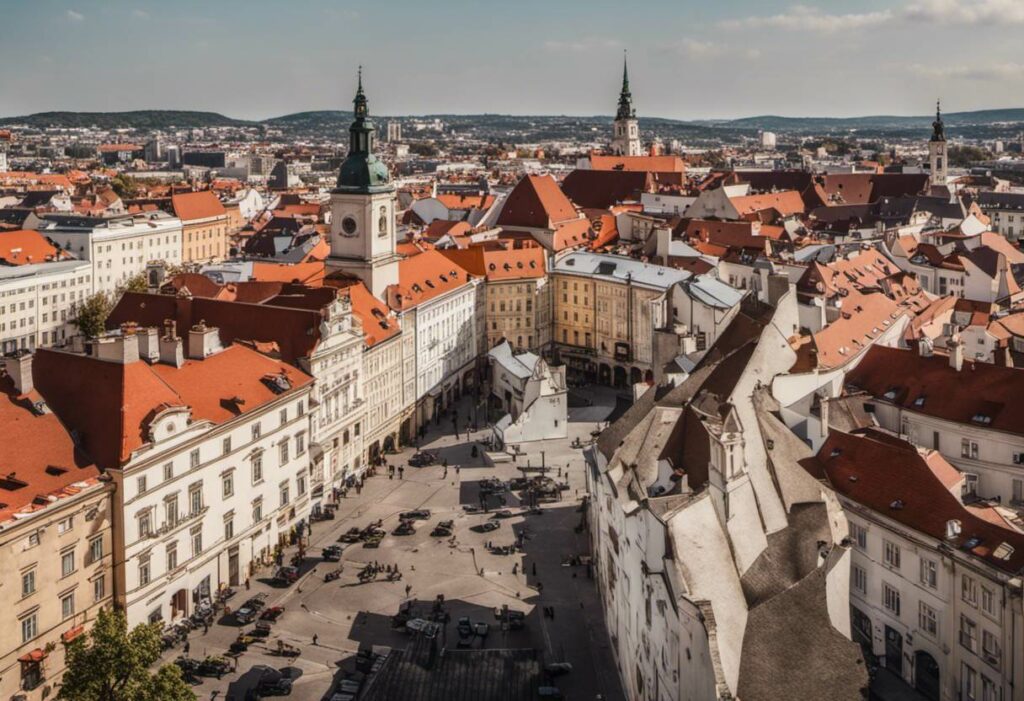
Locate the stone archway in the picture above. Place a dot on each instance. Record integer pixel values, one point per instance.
(926, 675)
(389, 443)
(604, 374)
(620, 376)
(635, 375)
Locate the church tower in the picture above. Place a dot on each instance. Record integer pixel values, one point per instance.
(626, 135)
(363, 208)
(938, 150)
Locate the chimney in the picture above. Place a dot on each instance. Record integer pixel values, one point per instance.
(956, 353)
(149, 344)
(123, 349)
(203, 341)
(778, 287)
(171, 351)
(952, 529)
(925, 347)
(19, 366)
(823, 413)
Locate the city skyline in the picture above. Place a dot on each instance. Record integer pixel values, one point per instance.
(704, 63)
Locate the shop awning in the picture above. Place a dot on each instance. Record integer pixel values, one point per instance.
(69, 635)
(37, 655)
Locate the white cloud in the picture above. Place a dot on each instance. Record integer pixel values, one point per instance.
(697, 50)
(966, 11)
(140, 14)
(74, 16)
(582, 44)
(989, 71)
(811, 19)
(958, 12)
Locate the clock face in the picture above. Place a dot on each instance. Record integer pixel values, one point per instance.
(348, 225)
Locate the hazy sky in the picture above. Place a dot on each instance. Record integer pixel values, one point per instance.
(688, 59)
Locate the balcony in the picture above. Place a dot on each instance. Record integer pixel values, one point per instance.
(166, 527)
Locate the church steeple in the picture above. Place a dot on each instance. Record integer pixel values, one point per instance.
(362, 169)
(938, 128)
(626, 110)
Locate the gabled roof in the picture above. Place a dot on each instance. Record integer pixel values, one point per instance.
(498, 264)
(786, 203)
(640, 164)
(23, 247)
(897, 481)
(980, 394)
(110, 404)
(601, 189)
(423, 278)
(379, 324)
(197, 205)
(40, 460)
(536, 202)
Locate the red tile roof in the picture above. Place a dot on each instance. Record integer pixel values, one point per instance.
(117, 148)
(647, 164)
(40, 459)
(536, 202)
(499, 264)
(189, 206)
(26, 246)
(379, 324)
(601, 189)
(981, 394)
(424, 277)
(461, 202)
(895, 480)
(786, 203)
(110, 405)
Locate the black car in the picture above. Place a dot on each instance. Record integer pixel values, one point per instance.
(273, 683)
(404, 528)
(488, 526)
(443, 529)
(332, 553)
(504, 513)
(417, 514)
(423, 459)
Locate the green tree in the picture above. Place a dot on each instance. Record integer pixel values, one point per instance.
(112, 663)
(93, 313)
(125, 186)
(136, 283)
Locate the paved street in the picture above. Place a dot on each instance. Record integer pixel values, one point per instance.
(345, 613)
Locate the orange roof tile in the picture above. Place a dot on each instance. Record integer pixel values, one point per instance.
(424, 277)
(204, 204)
(536, 202)
(25, 246)
(649, 164)
(786, 203)
(111, 404)
(460, 201)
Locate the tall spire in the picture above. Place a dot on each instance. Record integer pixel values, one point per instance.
(626, 110)
(938, 128)
(361, 108)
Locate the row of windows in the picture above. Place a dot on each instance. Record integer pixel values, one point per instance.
(30, 622)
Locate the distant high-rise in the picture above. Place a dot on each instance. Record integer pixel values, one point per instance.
(394, 132)
(626, 134)
(768, 139)
(3, 160)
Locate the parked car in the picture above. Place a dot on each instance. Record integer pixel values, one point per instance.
(443, 529)
(488, 526)
(418, 514)
(504, 513)
(332, 553)
(272, 613)
(373, 541)
(273, 682)
(287, 575)
(404, 527)
(213, 667)
(246, 614)
(423, 459)
(556, 669)
(350, 536)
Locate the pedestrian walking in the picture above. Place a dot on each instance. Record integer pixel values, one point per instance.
(315, 638)
(206, 627)
(186, 648)
(401, 472)
(535, 569)
(515, 568)
(408, 588)
(456, 469)
(247, 584)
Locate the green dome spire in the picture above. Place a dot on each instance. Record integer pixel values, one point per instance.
(362, 171)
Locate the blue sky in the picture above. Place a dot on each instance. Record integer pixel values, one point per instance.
(688, 59)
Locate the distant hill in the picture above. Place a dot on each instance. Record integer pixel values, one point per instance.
(777, 123)
(141, 119)
(980, 124)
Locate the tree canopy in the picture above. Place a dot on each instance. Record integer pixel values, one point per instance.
(111, 663)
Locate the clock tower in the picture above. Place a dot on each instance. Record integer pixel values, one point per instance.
(363, 209)
(938, 151)
(626, 130)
